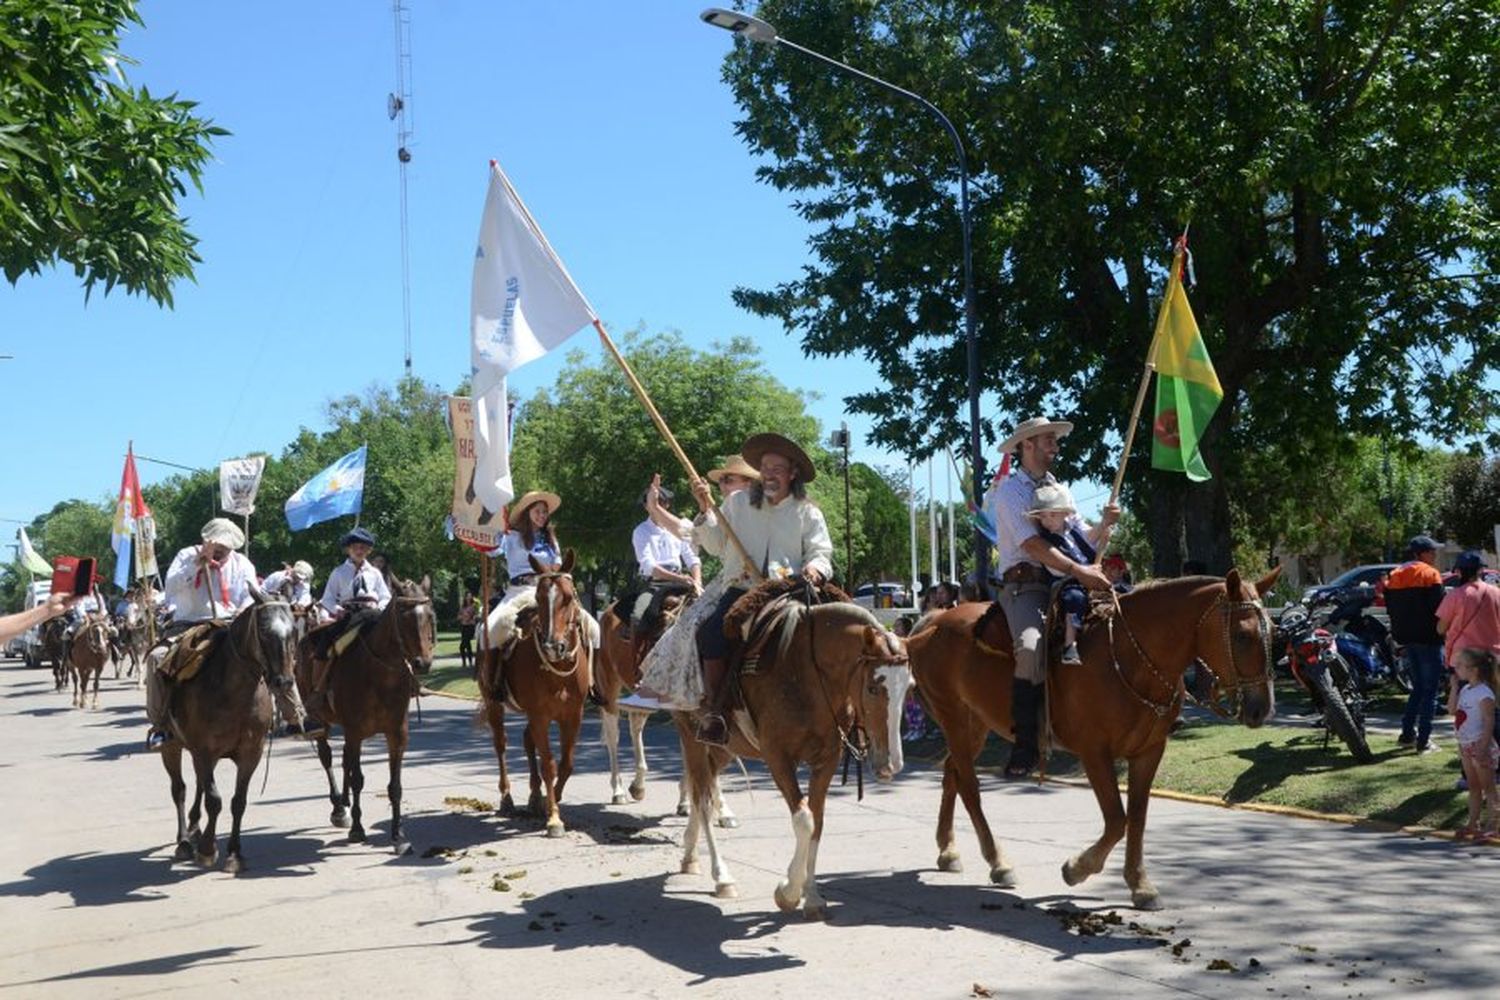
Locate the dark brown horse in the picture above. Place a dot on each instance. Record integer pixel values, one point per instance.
(545, 674)
(88, 651)
(1118, 704)
(53, 649)
(830, 673)
(370, 687)
(225, 712)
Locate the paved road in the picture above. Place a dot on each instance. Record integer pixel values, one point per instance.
(93, 904)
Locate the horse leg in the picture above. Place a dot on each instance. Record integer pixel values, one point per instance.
(700, 775)
(684, 796)
(567, 743)
(245, 764)
(495, 712)
(609, 735)
(354, 783)
(396, 744)
(537, 738)
(171, 759)
(1143, 893)
(726, 817)
(1101, 773)
(536, 802)
(340, 815)
(814, 907)
(97, 674)
(208, 848)
(948, 857)
(966, 785)
(637, 723)
(790, 889)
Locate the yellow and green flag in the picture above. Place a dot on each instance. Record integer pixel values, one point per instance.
(1187, 388)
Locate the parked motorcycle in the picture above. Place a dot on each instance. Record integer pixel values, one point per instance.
(1365, 642)
(1314, 659)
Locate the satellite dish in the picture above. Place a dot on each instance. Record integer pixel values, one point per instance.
(393, 106)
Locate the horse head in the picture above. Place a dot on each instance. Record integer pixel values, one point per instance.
(416, 625)
(267, 633)
(93, 634)
(557, 610)
(1235, 644)
(883, 696)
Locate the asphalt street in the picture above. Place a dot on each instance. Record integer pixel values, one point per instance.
(93, 903)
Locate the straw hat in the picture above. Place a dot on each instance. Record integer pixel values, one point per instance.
(733, 465)
(302, 570)
(223, 531)
(552, 500)
(1031, 428)
(760, 445)
(1051, 498)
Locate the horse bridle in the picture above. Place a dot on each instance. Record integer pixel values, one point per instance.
(573, 628)
(1231, 610)
(257, 656)
(405, 655)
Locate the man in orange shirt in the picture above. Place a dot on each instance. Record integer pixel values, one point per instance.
(1412, 596)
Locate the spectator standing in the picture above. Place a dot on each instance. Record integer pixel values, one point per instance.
(1469, 614)
(1472, 702)
(1412, 597)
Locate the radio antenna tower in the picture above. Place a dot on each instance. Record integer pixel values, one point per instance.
(397, 105)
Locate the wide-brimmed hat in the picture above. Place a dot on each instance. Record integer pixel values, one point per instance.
(760, 445)
(1031, 428)
(1051, 498)
(223, 531)
(302, 570)
(733, 465)
(357, 535)
(552, 500)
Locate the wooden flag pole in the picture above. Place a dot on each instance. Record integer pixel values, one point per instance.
(666, 433)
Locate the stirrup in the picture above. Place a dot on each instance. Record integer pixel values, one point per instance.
(713, 731)
(1023, 761)
(157, 739)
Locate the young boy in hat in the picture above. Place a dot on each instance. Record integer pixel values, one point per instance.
(1057, 523)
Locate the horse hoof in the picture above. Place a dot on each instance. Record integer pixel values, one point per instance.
(401, 847)
(818, 912)
(619, 799)
(507, 806)
(1145, 899)
(1005, 878)
(682, 809)
(555, 830)
(357, 835)
(208, 860)
(233, 864)
(339, 818)
(637, 792)
(949, 861)
(726, 890)
(1072, 872)
(785, 903)
(184, 851)
(691, 868)
(729, 822)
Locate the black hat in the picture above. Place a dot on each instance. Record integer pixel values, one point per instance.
(662, 493)
(1422, 543)
(357, 535)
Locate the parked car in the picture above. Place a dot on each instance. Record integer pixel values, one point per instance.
(1487, 575)
(1344, 586)
(882, 595)
(37, 592)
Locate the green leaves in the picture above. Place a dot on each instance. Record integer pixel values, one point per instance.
(89, 167)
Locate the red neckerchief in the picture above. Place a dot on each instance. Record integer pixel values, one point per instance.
(223, 585)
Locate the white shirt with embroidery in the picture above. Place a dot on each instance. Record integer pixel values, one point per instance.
(781, 538)
(189, 586)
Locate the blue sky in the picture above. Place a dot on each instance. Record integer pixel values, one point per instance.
(610, 120)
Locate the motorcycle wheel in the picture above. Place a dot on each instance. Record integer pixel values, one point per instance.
(1400, 674)
(1339, 719)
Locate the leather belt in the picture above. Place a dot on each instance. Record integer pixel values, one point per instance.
(523, 579)
(1024, 573)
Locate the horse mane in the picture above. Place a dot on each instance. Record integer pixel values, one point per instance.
(983, 621)
(747, 607)
(1169, 581)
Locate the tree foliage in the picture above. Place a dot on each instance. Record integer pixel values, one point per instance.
(1337, 164)
(1470, 508)
(91, 168)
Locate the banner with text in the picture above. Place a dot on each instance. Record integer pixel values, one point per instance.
(473, 522)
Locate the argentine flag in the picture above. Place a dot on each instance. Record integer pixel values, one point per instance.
(337, 490)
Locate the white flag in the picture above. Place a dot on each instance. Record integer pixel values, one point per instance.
(239, 482)
(523, 305)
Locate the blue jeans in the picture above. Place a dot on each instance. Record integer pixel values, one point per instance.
(1426, 666)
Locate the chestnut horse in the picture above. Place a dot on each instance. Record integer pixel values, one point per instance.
(829, 674)
(88, 649)
(617, 669)
(225, 711)
(545, 674)
(370, 687)
(1118, 704)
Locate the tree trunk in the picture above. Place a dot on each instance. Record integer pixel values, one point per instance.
(1206, 523)
(1164, 521)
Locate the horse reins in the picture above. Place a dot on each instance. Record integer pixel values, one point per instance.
(574, 629)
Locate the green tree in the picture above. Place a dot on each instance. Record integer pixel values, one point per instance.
(1470, 507)
(1337, 164)
(91, 168)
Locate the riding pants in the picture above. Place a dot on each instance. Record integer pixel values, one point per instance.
(1025, 607)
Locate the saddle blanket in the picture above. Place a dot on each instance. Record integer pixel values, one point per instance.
(642, 703)
(185, 658)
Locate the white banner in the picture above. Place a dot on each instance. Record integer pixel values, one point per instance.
(523, 304)
(473, 522)
(239, 481)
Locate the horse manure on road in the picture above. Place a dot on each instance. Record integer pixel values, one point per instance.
(499, 884)
(518, 873)
(439, 851)
(466, 803)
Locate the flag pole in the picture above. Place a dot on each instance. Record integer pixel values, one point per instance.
(1173, 278)
(666, 433)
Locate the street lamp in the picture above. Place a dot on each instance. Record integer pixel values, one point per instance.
(753, 28)
(840, 439)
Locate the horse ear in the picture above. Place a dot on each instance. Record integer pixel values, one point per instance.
(568, 559)
(1265, 583)
(536, 566)
(426, 584)
(258, 595)
(1233, 583)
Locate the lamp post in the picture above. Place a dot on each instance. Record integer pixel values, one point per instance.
(754, 29)
(840, 439)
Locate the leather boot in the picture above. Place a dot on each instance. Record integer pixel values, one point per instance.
(711, 728)
(317, 698)
(1025, 699)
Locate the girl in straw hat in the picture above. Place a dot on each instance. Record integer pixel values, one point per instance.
(531, 534)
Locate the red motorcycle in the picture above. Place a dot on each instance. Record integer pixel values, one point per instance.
(1313, 658)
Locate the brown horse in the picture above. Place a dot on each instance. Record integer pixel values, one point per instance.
(370, 687)
(618, 669)
(830, 674)
(224, 711)
(54, 649)
(545, 674)
(1118, 704)
(88, 650)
